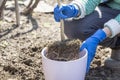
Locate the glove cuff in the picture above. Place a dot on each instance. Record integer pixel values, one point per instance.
(76, 10)
(100, 35)
(81, 9)
(114, 27)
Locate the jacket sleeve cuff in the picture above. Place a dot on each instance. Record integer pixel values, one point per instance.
(81, 8)
(114, 27)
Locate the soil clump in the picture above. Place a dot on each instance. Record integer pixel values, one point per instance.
(65, 50)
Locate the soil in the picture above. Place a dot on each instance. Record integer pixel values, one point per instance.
(64, 50)
(20, 48)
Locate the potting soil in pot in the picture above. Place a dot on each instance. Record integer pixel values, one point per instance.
(64, 51)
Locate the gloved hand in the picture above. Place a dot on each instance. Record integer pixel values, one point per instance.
(91, 44)
(65, 11)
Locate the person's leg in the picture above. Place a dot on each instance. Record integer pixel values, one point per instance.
(84, 28)
(114, 61)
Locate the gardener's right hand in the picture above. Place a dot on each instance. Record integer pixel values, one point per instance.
(91, 44)
(65, 11)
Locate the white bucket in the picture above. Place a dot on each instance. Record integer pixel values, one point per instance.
(64, 70)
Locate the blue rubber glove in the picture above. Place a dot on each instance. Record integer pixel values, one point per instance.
(65, 11)
(91, 44)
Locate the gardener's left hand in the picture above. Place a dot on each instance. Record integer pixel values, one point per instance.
(91, 44)
(65, 11)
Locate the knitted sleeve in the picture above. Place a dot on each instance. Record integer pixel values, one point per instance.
(86, 6)
(114, 26)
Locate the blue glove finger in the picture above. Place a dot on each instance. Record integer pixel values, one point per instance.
(83, 46)
(57, 13)
(56, 17)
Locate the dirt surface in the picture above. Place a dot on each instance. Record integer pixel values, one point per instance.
(20, 48)
(64, 50)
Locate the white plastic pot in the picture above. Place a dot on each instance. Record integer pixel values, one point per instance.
(64, 70)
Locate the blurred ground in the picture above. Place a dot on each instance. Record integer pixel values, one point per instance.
(20, 47)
